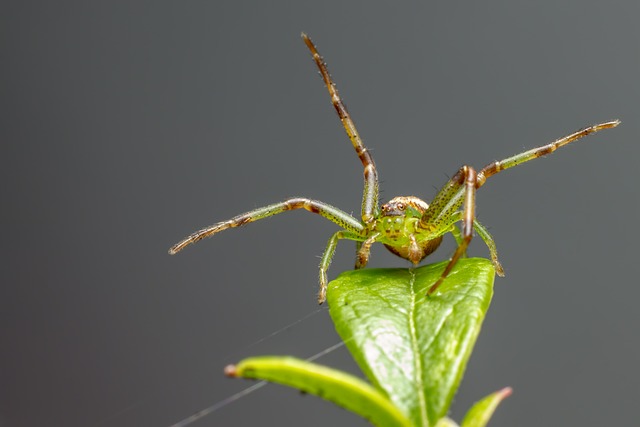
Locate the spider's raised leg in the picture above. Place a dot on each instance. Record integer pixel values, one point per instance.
(370, 208)
(495, 167)
(461, 187)
(327, 256)
(329, 212)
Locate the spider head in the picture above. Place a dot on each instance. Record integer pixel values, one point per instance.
(406, 206)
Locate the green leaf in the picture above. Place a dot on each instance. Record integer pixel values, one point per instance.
(412, 347)
(446, 422)
(344, 389)
(481, 412)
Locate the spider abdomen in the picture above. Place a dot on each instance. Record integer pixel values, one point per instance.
(416, 253)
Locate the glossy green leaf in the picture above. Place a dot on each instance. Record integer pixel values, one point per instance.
(412, 347)
(344, 389)
(481, 412)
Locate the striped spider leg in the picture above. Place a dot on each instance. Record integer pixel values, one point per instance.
(352, 228)
(370, 208)
(461, 191)
(406, 225)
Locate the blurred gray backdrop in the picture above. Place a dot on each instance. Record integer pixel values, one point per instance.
(126, 125)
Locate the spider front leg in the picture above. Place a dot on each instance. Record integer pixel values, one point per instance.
(509, 162)
(370, 207)
(325, 210)
(462, 183)
(461, 189)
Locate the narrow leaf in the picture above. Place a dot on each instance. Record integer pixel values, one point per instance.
(412, 347)
(344, 389)
(481, 412)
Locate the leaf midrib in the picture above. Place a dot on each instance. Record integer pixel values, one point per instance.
(416, 352)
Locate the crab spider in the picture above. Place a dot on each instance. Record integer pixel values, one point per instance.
(406, 225)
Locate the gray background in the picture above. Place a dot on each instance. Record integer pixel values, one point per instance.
(127, 125)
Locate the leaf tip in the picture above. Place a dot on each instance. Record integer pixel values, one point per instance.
(231, 371)
(504, 393)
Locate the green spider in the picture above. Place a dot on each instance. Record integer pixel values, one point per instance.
(406, 225)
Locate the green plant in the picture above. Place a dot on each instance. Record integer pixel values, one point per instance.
(412, 348)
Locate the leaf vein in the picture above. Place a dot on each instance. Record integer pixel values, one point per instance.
(416, 351)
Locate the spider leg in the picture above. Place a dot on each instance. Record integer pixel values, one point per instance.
(457, 191)
(509, 162)
(358, 246)
(464, 183)
(327, 256)
(486, 238)
(491, 244)
(329, 212)
(362, 256)
(370, 194)
(457, 234)
(442, 209)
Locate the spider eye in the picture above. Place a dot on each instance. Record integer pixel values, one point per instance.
(401, 206)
